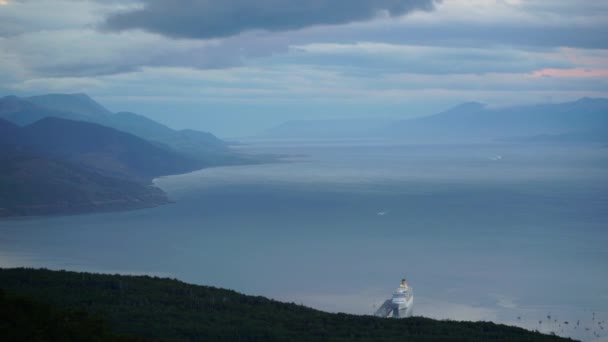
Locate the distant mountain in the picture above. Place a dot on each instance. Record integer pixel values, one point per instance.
(106, 150)
(191, 142)
(582, 120)
(32, 183)
(141, 126)
(473, 122)
(9, 132)
(65, 153)
(23, 112)
(80, 104)
(58, 166)
(195, 144)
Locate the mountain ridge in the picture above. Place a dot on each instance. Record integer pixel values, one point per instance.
(91, 144)
(88, 159)
(80, 107)
(59, 166)
(469, 122)
(78, 103)
(35, 184)
(475, 122)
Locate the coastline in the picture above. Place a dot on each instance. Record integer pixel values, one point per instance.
(150, 195)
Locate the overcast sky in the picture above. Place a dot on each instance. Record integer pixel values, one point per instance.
(236, 67)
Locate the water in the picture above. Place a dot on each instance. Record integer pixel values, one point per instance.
(511, 239)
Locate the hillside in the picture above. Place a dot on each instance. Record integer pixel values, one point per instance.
(58, 166)
(168, 309)
(22, 112)
(192, 143)
(61, 155)
(36, 185)
(584, 120)
(24, 319)
(199, 145)
(475, 122)
(80, 104)
(104, 149)
(9, 132)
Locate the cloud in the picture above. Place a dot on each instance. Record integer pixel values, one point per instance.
(576, 73)
(588, 8)
(461, 31)
(86, 52)
(204, 19)
(26, 16)
(261, 65)
(380, 58)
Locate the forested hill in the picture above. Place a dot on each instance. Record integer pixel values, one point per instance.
(167, 309)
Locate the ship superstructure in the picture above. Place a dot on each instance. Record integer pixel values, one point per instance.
(401, 305)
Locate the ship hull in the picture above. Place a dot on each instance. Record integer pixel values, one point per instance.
(403, 310)
(401, 305)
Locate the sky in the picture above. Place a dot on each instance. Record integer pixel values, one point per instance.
(239, 67)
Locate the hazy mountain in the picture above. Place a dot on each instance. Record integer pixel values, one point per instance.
(23, 112)
(63, 166)
(141, 126)
(67, 154)
(35, 183)
(196, 144)
(191, 142)
(472, 122)
(80, 104)
(582, 120)
(9, 132)
(104, 149)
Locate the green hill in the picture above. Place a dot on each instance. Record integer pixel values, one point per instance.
(168, 309)
(24, 319)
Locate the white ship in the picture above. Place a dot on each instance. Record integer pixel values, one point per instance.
(401, 305)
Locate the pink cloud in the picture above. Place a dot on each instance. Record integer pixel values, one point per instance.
(576, 72)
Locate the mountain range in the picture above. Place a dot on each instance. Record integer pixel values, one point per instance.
(34, 183)
(99, 148)
(80, 107)
(582, 120)
(65, 153)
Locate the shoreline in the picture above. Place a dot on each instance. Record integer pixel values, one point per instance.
(156, 197)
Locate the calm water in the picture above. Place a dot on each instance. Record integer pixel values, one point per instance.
(479, 237)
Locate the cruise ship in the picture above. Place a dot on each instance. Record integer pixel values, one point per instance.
(401, 305)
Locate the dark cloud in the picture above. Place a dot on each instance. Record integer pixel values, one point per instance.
(459, 33)
(205, 19)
